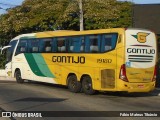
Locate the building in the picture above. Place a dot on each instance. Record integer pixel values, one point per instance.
(147, 16)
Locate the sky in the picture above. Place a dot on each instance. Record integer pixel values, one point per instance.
(4, 4)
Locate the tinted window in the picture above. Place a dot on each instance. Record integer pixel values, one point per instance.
(96, 43)
(22, 47)
(92, 43)
(61, 44)
(45, 45)
(33, 46)
(108, 42)
(75, 44)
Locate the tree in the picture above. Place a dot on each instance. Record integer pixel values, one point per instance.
(43, 15)
(97, 14)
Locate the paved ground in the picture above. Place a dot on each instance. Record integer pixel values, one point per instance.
(7, 79)
(49, 97)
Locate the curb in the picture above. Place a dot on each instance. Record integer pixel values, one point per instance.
(156, 92)
(7, 78)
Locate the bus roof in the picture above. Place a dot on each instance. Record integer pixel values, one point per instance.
(65, 33)
(68, 33)
(29, 35)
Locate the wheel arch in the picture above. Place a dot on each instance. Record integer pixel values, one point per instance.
(80, 78)
(73, 84)
(16, 71)
(90, 90)
(84, 75)
(68, 76)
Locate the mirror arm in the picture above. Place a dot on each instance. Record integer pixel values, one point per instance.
(5, 47)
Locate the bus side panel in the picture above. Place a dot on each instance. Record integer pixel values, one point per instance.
(120, 62)
(101, 68)
(27, 72)
(67, 70)
(19, 62)
(90, 71)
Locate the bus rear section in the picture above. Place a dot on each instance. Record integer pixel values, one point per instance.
(138, 73)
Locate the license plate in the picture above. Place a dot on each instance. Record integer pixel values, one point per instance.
(140, 86)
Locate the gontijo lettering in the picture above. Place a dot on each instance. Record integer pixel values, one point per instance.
(140, 51)
(69, 59)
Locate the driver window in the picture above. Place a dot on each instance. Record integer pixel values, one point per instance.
(22, 47)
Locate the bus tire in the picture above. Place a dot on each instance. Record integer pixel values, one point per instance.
(18, 77)
(73, 84)
(87, 86)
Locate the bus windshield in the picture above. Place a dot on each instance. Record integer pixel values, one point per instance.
(10, 51)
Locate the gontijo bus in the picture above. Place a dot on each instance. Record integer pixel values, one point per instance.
(95, 60)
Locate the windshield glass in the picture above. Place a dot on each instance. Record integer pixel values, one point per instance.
(10, 51)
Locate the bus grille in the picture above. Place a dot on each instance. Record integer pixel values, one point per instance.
(140, 58)
(108, 78)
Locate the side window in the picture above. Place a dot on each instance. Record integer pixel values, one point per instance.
(45, 45)
(33, 45)
(82, 44)
(54, 45)
(22, 47)
(75, 44)
(61, 44)
(92, 43)
(108, 42)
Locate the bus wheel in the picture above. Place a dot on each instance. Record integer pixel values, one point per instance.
(73, 84)
(18, 77)
(87, 86)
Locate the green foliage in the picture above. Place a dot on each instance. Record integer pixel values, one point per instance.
(97, 14)
(44, 15)
(125, 18)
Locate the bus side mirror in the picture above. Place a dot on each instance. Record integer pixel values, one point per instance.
(5, 47)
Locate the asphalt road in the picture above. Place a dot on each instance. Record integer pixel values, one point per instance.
(57, 99)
